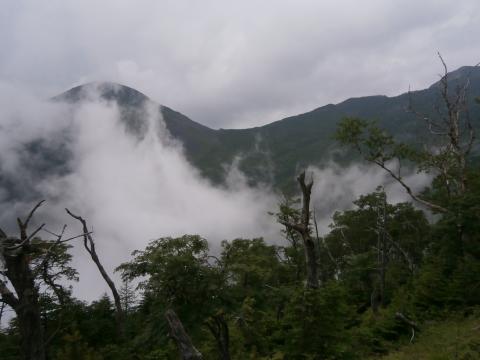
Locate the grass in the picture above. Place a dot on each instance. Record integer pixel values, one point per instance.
(453, 339)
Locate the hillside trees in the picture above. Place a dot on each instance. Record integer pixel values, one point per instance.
(245, 301)
(175, 273)
(446, 153)
(176, 278)
(378, 246)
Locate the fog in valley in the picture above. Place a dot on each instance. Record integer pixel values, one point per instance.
(132, 190)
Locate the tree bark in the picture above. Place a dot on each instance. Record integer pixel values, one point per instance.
(184, 343)
(26, 307)
(311, 256)
(17, 256)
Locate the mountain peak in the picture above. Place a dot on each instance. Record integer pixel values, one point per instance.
(104, 90)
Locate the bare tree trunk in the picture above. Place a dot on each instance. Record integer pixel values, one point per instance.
(31, 330)
(311, 255)
(26, 307)
(381, 248)
(303, 228)
(89, 245)
(184, 343)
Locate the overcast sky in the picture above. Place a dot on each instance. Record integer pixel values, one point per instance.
(236, 63)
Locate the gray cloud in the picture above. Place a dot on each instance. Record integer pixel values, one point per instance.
(237, 63)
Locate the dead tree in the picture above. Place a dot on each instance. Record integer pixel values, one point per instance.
(89, 245)
(455, 136)
(185, 346)
(303, 228)
(17, 254)
(404, 319)
(26, 261)
(446, 151)
(453, 130)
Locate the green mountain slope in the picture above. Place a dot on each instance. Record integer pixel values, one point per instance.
(274, 152)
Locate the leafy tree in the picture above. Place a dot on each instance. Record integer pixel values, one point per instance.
(176, 273)
(377, 246)
(251, 268)
(315, 323)
(294, 253)
(173, 273)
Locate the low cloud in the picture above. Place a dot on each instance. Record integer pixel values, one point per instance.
(336, 187)
(132, 190)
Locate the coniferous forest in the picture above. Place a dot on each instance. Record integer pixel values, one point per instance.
(388, 280)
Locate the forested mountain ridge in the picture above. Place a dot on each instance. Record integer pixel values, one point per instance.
(272, 153)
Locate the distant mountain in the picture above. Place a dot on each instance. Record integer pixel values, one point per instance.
(272, 153)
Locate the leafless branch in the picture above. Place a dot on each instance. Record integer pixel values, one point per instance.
(399, 179)
(89, 245)
(26, 239)
(296, 227)
(30, 215)
(50, 249)
(413, 325)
